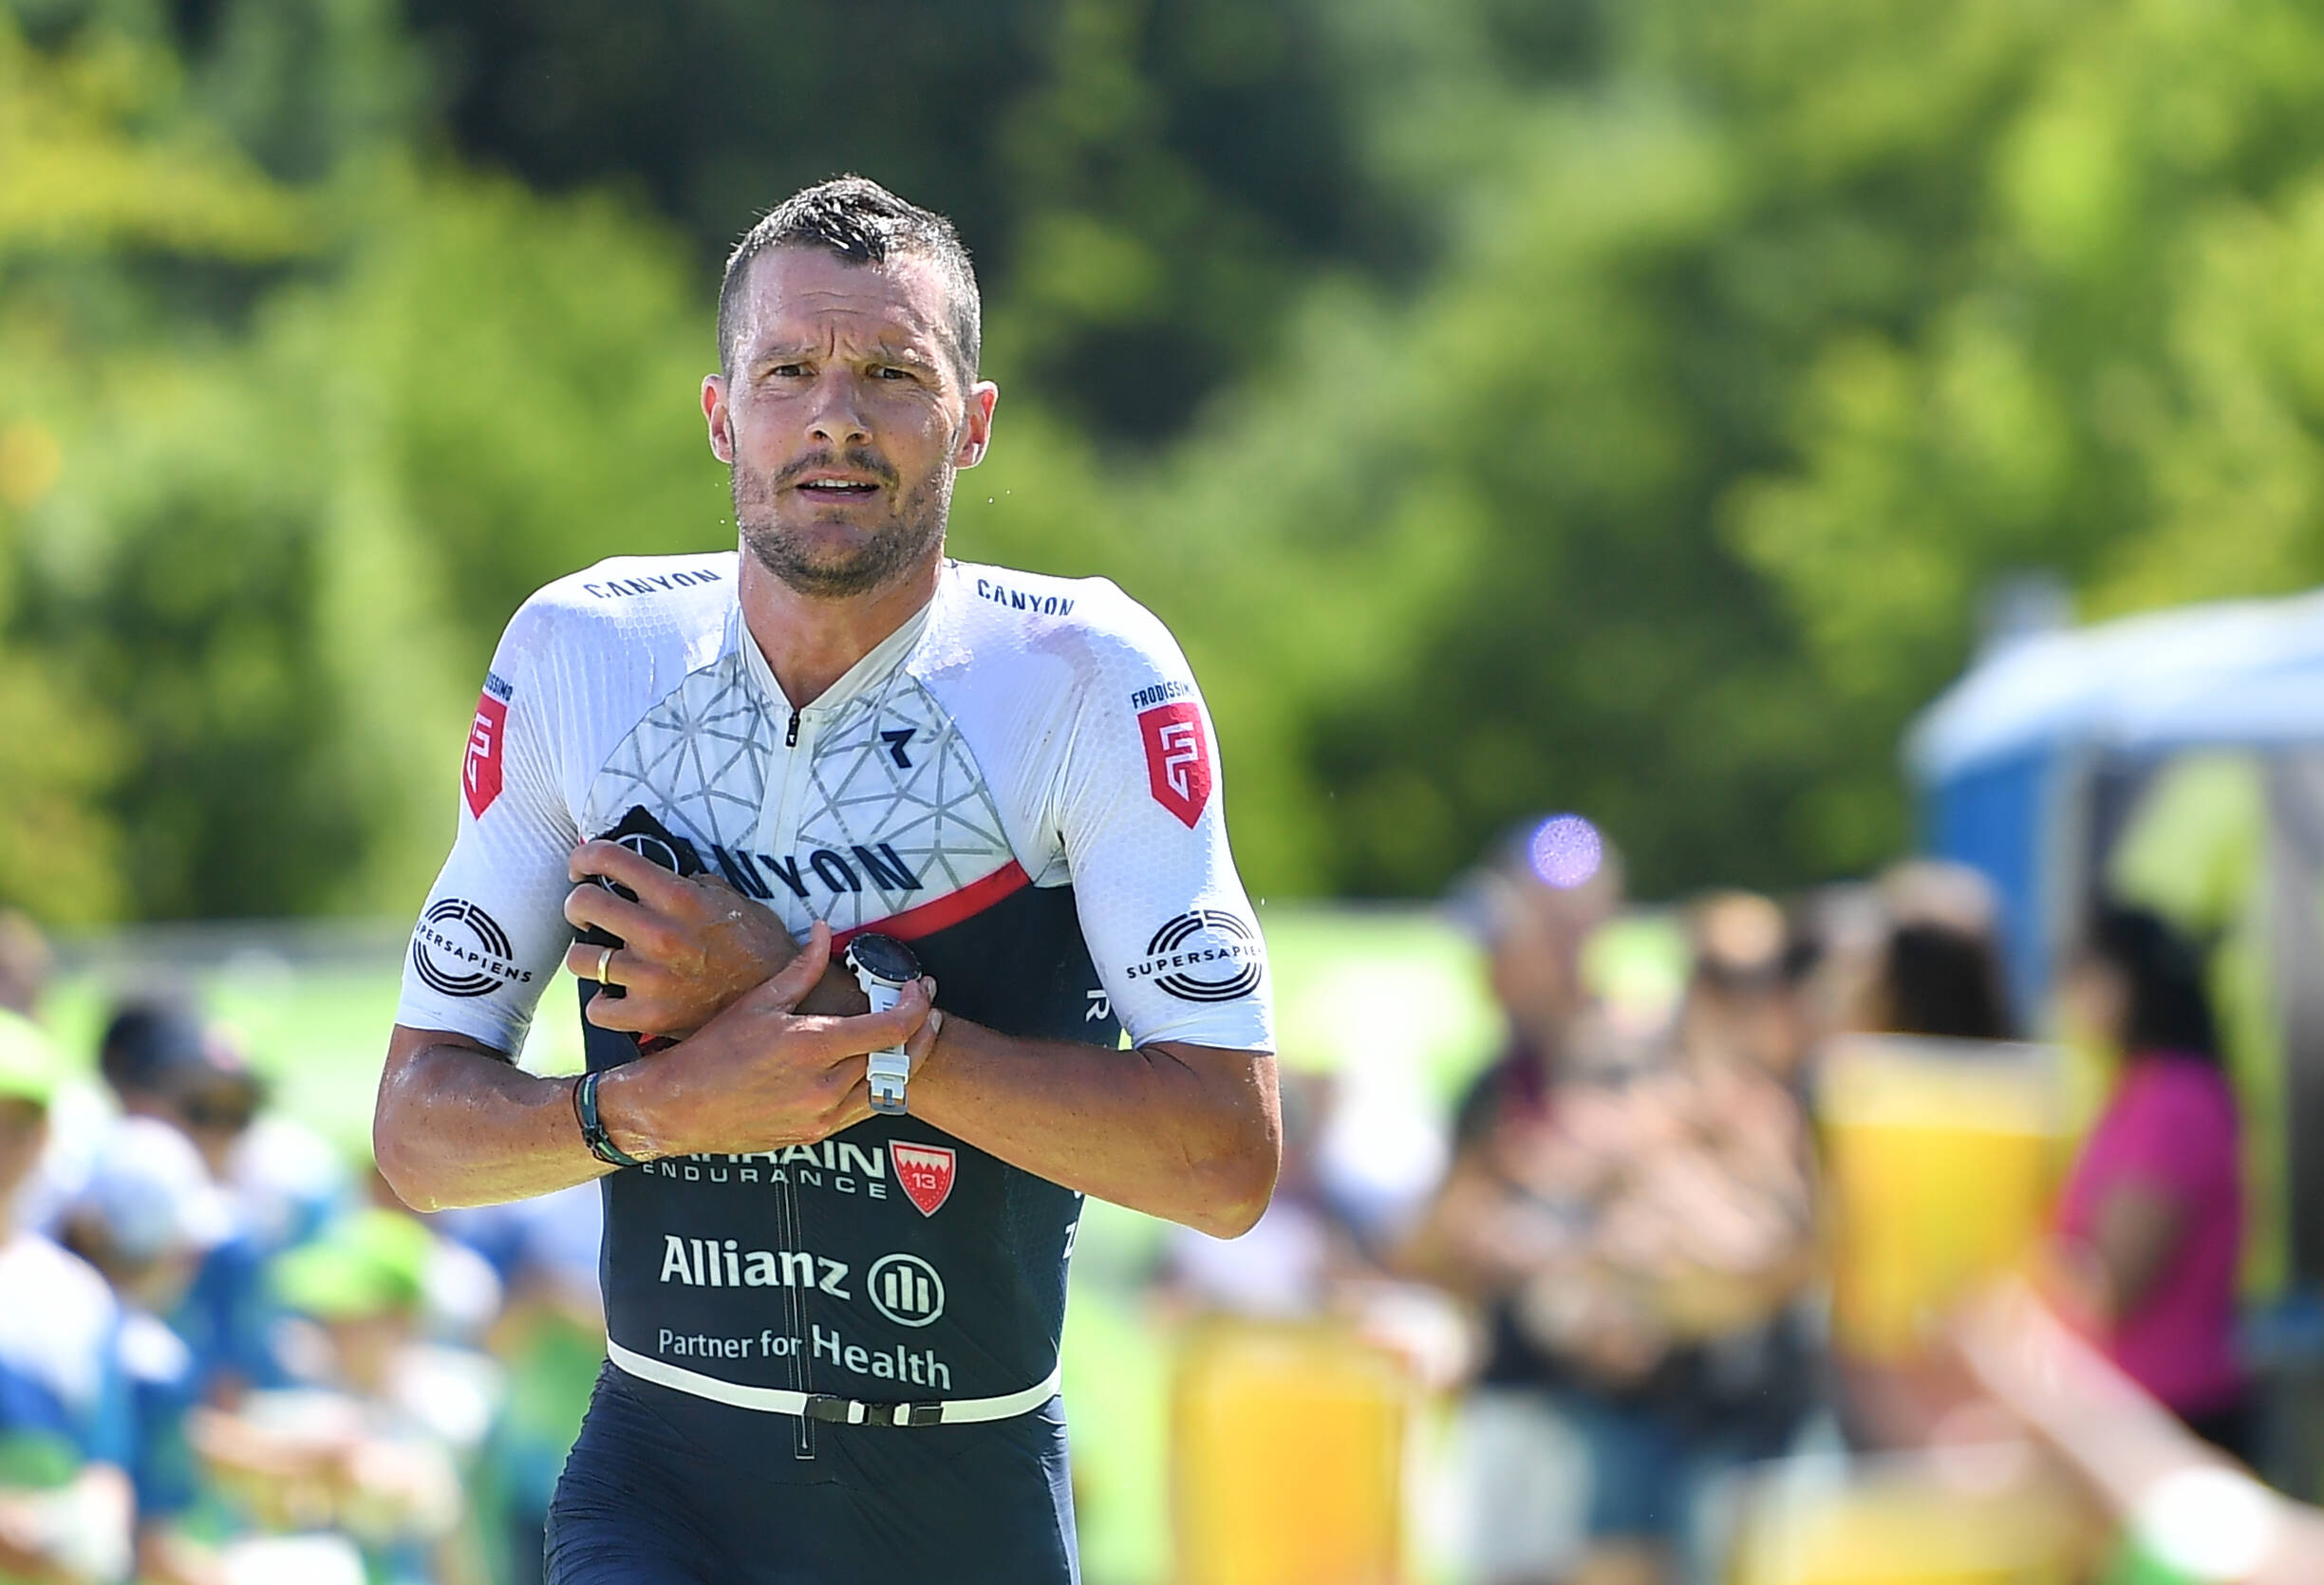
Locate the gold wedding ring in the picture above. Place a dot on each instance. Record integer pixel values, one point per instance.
(605, 965)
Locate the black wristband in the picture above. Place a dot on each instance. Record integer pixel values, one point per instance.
(593, 1127)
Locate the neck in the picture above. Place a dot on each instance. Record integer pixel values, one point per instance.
(810, 641)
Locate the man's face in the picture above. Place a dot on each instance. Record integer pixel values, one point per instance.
(1535, 965)
(844, 417)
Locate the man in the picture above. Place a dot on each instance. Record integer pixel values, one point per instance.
(1012, 775)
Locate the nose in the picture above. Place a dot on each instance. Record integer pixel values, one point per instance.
(833, 417)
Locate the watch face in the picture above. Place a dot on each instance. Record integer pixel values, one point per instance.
(884, 955)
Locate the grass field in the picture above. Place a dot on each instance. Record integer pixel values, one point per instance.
(1388, 1000)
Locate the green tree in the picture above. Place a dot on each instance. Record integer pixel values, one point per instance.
(1749, 363)
(279, 460)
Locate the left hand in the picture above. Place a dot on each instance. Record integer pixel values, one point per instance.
(691, 945)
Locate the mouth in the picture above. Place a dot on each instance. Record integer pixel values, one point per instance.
(838, 487)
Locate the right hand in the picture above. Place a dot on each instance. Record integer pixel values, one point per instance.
(760, 1075)
(691, 945)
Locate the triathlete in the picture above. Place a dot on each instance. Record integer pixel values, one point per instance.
(838, 771)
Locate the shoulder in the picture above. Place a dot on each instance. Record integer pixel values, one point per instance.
(32, 1264)
(2175, 1088)
(60, 1340)
(1088, 623)
(623, 601)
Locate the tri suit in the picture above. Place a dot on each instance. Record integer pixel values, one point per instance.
(1021, 783)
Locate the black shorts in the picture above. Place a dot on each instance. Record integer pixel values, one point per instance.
(663, 1488)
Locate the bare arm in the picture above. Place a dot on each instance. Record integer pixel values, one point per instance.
(1185, 1132)
(2128, 1450)
(2137, 1230)
(457, 1125)
(1181, 1131)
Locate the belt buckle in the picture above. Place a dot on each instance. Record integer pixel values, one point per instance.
(849, 1412)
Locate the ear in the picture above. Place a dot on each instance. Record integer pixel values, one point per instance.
(975, 425)
(717, 417)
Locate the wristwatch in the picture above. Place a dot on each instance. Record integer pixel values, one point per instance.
(883, 966)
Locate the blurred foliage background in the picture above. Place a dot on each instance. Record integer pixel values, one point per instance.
(1511, 403)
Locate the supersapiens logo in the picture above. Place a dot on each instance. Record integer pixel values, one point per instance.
(459, 950)
(1204, 955)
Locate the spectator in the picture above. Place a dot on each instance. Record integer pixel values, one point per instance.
(1697, 1226)
(65, 1503)
(1919, 961)
(1496, 1220)
(144, 1219)
(281, 1181)
(550, 1339)
(1940, 970)
(1635, 1222)
(379, 1443)
(2150, 1227)
(1746, 1001)
(144, 1045)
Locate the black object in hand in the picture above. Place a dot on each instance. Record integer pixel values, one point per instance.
(649, 838)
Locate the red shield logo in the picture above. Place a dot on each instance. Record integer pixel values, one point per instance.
(480, 780)
(1177, 758)
(926, 1173)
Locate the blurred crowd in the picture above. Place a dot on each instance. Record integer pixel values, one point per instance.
(1639, 1216)
(228, 1359)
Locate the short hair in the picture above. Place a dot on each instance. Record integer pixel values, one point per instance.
(1945, 981)
(857, 220)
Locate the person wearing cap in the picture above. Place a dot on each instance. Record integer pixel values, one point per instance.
(146, 1219)
(66, 1431)
(280, 1181)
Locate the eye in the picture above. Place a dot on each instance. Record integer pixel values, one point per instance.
(785, 371)
(890, 371)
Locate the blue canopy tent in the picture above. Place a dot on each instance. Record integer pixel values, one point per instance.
(2035, 766)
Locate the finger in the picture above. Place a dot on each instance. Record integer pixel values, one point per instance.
(832, 1039)
(852, 1108)
(923, 1038)
(656, 886)
(791, 983)
(587, 960)
(639, 927)
(646, 1004)
(617, 1012)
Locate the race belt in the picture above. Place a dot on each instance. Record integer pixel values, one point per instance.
(831, 1409)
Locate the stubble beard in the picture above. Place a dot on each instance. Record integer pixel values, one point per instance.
(912, 533)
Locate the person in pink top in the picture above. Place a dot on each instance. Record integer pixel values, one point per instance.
(2152, 1221)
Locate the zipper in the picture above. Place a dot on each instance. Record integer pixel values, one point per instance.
(794, 1306)
(787, 1209)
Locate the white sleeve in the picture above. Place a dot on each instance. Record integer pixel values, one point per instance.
(493, 929)
(1139, 808)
